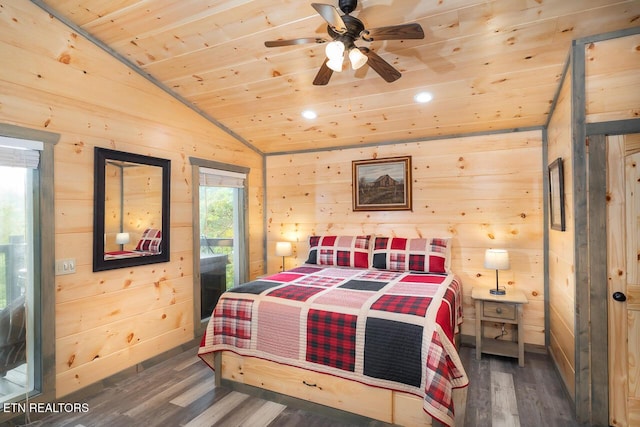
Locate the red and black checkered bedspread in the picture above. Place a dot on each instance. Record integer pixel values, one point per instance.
(387, 329)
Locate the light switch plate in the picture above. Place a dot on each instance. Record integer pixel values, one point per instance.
(65, 266)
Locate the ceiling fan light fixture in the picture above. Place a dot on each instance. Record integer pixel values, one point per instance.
(344, 30)
(335, 53)
(357, 58)
(334, 49)
(335, 63)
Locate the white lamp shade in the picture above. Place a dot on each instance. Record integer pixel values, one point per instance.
(357, 58)
(335, 53)
(496, 259)
(283, 249)
(335, 64)
(122, 238)
(335, 49)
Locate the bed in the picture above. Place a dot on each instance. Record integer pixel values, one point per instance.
(149, 244)
(364, 316)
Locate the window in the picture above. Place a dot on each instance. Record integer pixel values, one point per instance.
(221, 193)
(28, 267)
(19, 161)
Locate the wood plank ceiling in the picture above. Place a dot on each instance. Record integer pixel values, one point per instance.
(490, 65)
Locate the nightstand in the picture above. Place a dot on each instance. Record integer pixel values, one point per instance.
(499, 309)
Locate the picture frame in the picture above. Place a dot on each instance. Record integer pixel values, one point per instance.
(382, 184)
(135, 186)
(556, 195)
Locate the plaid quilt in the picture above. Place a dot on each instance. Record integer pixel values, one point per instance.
(382, 328)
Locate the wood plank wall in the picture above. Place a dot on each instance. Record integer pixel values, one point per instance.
(612, 69)
(561, 243)
(483, 191)
(613, 80)
(612, 75)
(53, 79)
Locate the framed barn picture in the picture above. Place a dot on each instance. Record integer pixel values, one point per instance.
(556, 195)
(382, 184)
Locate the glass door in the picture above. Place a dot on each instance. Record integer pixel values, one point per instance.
(221, 201)
(16, 281)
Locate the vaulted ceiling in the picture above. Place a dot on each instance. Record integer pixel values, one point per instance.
(490, 65)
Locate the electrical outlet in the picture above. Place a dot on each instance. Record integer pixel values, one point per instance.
(65, 266)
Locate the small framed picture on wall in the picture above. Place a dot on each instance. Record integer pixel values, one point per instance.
(382, 184)
(556, 195)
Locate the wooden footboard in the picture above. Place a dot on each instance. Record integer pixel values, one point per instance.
(380, 404)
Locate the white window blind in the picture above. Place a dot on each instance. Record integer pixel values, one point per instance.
(24, 153)
(221, 178)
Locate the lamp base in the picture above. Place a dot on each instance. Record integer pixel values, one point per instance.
(497, 291)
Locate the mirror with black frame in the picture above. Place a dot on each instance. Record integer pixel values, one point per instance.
(131, 209)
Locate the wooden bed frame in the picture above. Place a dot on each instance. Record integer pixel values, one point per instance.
(342, 394)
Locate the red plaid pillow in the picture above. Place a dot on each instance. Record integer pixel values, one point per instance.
(423, 255)
(150, 241)
(344, 251)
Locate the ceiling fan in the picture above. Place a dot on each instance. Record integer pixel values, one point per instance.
(344, 31)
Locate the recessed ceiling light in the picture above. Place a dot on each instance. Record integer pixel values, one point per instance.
(423, 97)
(309, 114)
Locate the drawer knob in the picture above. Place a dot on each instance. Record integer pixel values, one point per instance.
(499, 310)
(309, 384)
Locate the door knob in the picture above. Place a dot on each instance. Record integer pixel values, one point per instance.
(619, 296)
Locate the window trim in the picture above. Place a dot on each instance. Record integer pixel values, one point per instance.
(243, 265)
(44, 265)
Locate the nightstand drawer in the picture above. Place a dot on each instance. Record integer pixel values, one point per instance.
(499, 310)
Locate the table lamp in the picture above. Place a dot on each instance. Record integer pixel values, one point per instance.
(283, 249)
(122, 239)
(497, 259)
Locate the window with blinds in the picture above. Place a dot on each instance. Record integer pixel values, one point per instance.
(221, 178)
(19, 161)
(221, 214)
(21, 153)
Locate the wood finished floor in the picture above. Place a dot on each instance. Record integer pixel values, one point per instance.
(179, 392)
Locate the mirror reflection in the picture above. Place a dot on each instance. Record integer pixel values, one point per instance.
(131, 210)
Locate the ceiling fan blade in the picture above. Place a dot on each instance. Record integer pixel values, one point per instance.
(278, 43)
(324, 74)
(394, 32)
(381, 66)
(331, 15)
